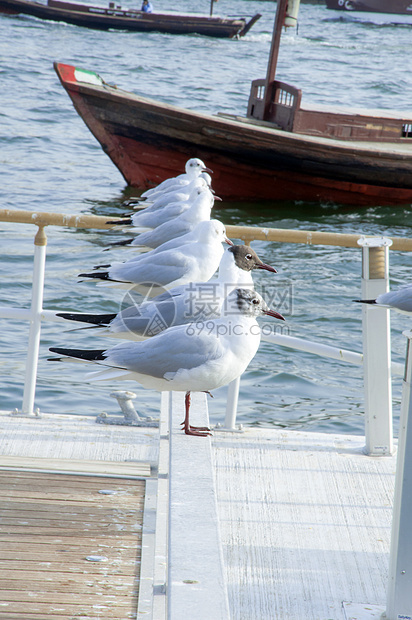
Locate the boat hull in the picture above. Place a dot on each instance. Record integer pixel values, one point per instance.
(149, 142)
(116, 18)
(395, 7)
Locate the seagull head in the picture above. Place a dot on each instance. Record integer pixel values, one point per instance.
(249, 303)
(196, 166)
(246, 259)
(212, 230)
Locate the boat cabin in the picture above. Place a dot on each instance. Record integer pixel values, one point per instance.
(285, 111)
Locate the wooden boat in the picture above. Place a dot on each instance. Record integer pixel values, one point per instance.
(279, 151)
(396, 7)
(113, 16)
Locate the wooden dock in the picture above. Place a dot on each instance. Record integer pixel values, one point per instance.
(276, 524)
(73, 496)
(69, 546)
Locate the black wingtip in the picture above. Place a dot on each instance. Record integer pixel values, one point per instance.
(87, 355)
(125, 221)
(365, 301)
(117, 243)
(93, 319)
(103, 275)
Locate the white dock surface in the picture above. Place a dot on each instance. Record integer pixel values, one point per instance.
(305, 522)
(76, 443)
(304, 517)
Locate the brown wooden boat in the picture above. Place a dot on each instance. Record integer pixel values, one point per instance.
(114, 17)
(279, 151)
(394, 7)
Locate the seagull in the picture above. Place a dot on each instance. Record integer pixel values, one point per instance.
(148, 218)
(190, 258)
(187, 358)
(400, 300)
(193, 168)
(182, 224)
(184, 304)
(179, 194)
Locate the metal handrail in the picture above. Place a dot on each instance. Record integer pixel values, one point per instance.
(309, 237)
(246, 233)
(41, 219)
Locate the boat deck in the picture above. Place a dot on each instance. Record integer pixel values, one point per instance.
(304, 519)
(401, 148)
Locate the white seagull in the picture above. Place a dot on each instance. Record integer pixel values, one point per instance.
(399, 300)
(181, 194)
(148, 218)
(190, 258)
(184, 223)
(193, 168)
(187, 358)
(198, 301)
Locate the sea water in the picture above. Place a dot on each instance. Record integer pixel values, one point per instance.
(51, 162)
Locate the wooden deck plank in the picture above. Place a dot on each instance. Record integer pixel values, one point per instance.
(35, 616)
(44, 504)
(118, 599)
(112, 585)
(75, 543)
(44, 568)
(38, 556)
(76, 510)
(63, 612)
(17, 616)
(42, 515)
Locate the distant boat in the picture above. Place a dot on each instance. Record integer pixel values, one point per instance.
(279, 151)
(395, 7)
(115, 17)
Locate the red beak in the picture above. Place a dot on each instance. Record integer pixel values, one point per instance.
(267, 267)
(275, 315)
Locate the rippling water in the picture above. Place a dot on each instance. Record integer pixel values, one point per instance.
(50, 162)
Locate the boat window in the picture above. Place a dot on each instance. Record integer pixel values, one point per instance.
(407, 130)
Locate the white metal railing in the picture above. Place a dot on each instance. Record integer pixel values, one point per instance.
(399, 595)
(39, 264)
(375, 360)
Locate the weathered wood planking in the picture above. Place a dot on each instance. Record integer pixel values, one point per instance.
(49, 525)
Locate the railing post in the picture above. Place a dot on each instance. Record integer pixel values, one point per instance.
(399, 599)
(39, 261)
(231, 407)
(376, 348)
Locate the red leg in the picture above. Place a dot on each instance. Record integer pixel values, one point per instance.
(192, 430)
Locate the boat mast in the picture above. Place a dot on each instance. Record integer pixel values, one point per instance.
(286, 15)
